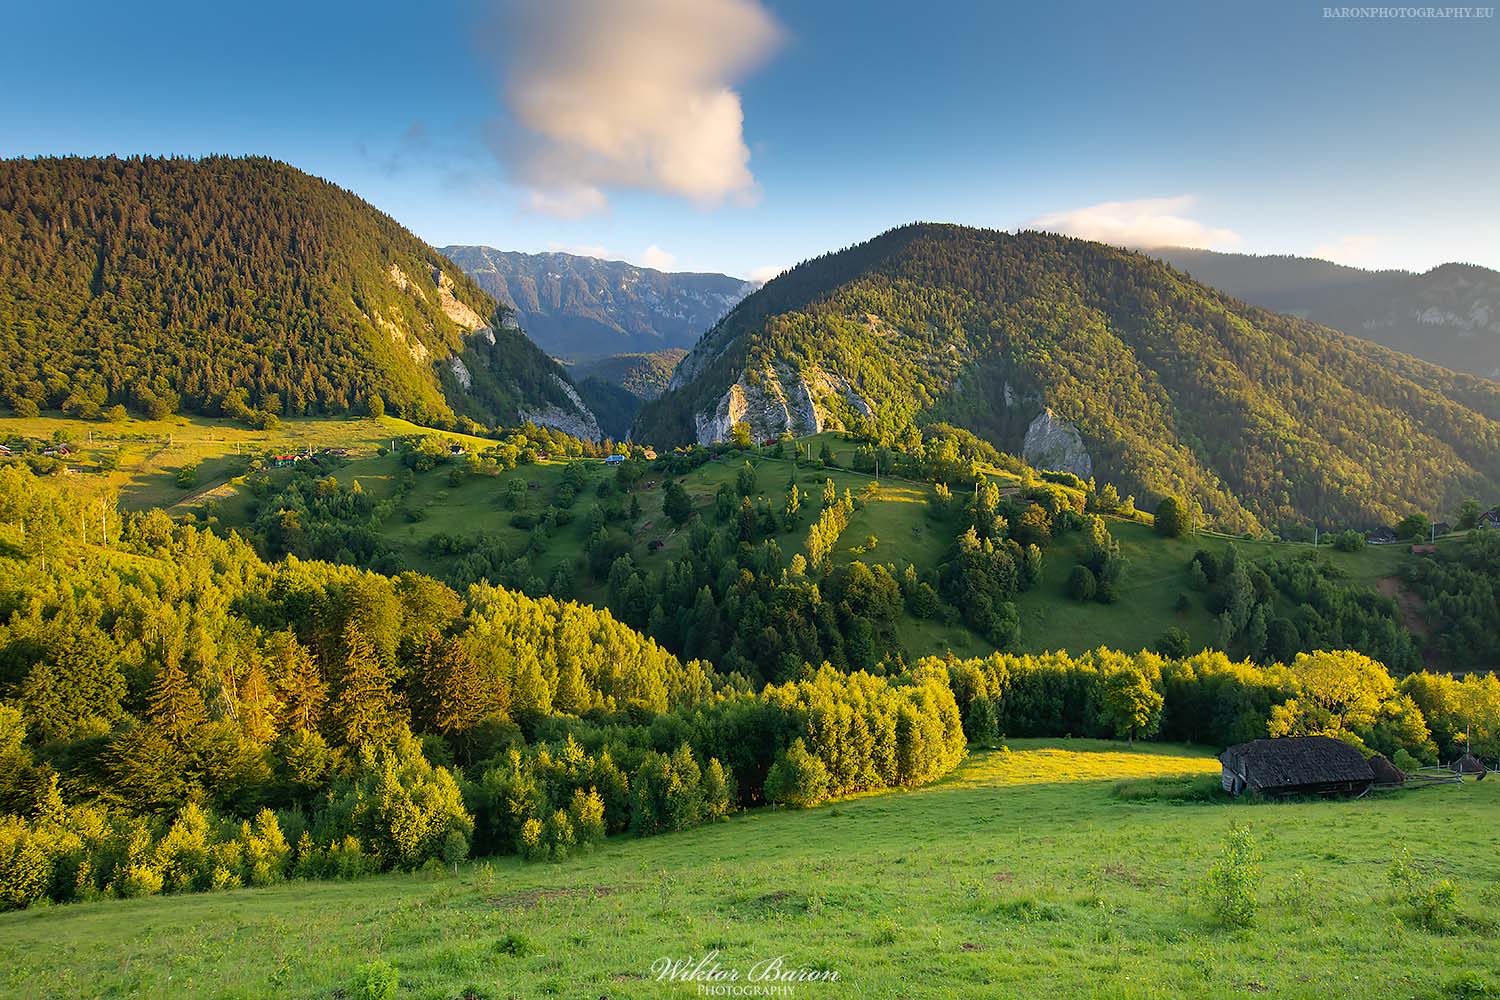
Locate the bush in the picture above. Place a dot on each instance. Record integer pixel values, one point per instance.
(513, 944)
(1081, 583)
(1172, 518)
(1233, 880)
(1431, 903)
(1349, 541)
(1174, 643)
(376, 981)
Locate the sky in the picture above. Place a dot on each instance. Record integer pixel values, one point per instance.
(743, 136)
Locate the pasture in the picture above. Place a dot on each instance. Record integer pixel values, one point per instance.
(1058, 868)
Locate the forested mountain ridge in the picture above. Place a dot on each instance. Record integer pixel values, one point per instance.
(583, 308)
(243, 286)
(1091, 358)
(1449, 315)
(616, 387)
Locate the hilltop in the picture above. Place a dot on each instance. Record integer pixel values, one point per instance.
(1095, 360)
(244, 287)
(1449, 315)
(582, 308)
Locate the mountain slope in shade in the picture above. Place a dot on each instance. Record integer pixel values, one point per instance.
(616, 387)
(583, 308)
(1449, 315)
(1097, 360)
(231, 284)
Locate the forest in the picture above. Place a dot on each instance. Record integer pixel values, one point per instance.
(241, 287)
(177, 714)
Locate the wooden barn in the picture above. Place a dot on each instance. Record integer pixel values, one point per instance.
(1296, 765)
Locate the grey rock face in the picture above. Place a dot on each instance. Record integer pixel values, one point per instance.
(1054, 443)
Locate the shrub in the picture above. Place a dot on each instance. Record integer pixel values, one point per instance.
(1081, 583)
(513, 944)
(1349, 541)
(1432, 904)
(1174, 643)
(376, 981)
(1172, 518)
(1233, 880)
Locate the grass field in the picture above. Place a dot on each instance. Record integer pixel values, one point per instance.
(149, 453)
(1025, 874)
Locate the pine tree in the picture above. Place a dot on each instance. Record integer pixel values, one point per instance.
(366, 709)
(175, 704)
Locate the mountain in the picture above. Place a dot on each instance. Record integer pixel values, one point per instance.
(1095, 360)
(616, 387)
(244, 286)
(644, 376)
(1449, 315)
(582, 308)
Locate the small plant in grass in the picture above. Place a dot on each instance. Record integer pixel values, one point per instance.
(1233, 880)
(1432, 903)
(376, 981)
(1469, 986)
(1297, 892)
(513, 944)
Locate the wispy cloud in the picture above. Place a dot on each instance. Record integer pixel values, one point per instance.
(635, 94)
(761, 275)
(655, 256)
(1356, 250)
(1146, 222)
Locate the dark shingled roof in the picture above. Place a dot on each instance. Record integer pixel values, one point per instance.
(1295, 763)
(1468, 764)
(1386, 773)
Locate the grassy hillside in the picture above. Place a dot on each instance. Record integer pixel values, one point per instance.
(899, 516)
(1060, 869)
(239, 286)
(138, 461)
(149, 455)
(1168, 386)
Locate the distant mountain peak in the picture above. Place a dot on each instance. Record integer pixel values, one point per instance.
(1449, 315)
(580, 308)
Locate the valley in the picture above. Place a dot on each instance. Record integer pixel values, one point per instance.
(382, 621)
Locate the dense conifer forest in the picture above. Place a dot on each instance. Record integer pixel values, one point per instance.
(243, 287)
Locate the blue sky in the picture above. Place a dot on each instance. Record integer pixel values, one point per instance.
(735, 136)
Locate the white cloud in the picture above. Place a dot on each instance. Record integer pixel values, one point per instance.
(571, 202)
(1356, 250)
(761, 275)
(635, 94)
(655, 256)
(582, 250)
(1146, 222)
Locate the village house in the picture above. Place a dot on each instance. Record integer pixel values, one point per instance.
(1490, 519)
(1295, 765)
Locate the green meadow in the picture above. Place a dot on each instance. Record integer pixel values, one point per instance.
(1052, 869)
